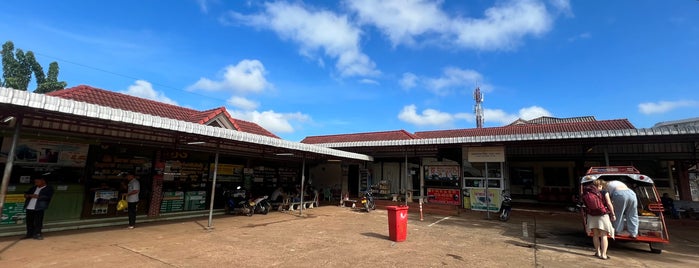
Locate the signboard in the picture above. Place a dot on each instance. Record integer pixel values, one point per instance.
(478, 199)
(443, 173)
(13, 210)
(172, 201)
(444, 196)
(485, 154)
(46, 153)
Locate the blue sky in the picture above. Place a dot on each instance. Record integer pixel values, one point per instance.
(306, 68)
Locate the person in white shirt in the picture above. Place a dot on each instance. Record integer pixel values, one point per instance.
(134, 187)
(36, 201)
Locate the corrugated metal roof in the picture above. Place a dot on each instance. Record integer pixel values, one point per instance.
(527, 136)
(366, 136)
(84, 93)
(72, 107)
(530, 128)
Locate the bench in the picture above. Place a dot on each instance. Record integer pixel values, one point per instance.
(349, 203)
(687, 209)
(307, 204)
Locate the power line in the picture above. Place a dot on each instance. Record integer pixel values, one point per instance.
(127, 76)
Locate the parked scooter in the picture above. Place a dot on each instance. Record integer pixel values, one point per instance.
(262, 205)
(505, 206)
(237, 202)
(368, 201)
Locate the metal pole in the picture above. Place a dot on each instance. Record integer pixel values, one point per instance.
(9, 164)
(406, 177)
(303, 180)
(487, 197)
(422, 184)
(213, 191)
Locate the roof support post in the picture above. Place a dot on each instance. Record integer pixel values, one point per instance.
(303, 180)
(10, 162)
(213, 191)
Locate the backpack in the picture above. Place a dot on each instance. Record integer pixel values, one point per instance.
(594, 202)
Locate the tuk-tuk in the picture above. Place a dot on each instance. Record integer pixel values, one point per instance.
(651, 223)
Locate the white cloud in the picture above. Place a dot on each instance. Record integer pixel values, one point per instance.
(431, 117)
(503, 118)
(315, 30)
(501, 27)
(585, 35)
(203, 6)
(665, 106)
(243, 103)
(401, 20)
(453, 77)
(408, 81)
(427, 117)
(272, 121)
(246, 76)
(144, 89)
(369, 81)
(532, 112)
(562, 6)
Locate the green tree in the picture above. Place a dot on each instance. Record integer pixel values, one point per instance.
(18, 67)
(51, 82)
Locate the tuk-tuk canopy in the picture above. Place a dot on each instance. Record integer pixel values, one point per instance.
(630, 172)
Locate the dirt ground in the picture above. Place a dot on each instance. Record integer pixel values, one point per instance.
(331, 236)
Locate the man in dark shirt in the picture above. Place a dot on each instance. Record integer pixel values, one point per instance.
(36, 202)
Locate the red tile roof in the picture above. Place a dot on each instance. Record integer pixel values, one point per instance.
(367, 136)
(572, 125)
(121, 101)
(615, 124)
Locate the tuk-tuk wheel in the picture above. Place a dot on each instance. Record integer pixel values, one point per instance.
(656, 248)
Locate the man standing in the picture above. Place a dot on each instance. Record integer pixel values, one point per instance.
(36, 201)
(132, 191)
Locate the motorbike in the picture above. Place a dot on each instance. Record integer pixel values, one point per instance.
(262, 205)
(505, 206)
(237, 203)
(368, 201)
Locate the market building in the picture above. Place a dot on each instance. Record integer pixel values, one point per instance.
(85, 137)
(185, 158)
(537, 161)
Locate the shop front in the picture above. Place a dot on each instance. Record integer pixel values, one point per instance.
(65, 162)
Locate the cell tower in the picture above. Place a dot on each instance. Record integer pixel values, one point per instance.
(478, 96)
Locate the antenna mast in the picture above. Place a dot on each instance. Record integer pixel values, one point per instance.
(478, 96)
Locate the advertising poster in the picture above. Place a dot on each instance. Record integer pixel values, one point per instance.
(102, 200)
(13, 210)
(478, 199)
(47, 152)
(444, 196)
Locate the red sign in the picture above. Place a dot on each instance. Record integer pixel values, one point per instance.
(444, 196)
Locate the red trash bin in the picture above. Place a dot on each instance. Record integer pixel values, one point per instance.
(397, 222)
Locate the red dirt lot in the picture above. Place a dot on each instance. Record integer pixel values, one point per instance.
(331, 236)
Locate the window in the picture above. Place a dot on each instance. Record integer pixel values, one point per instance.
(556, 176)
(522, 176)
